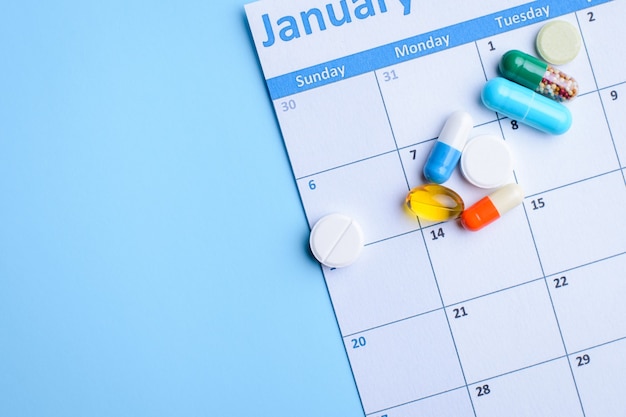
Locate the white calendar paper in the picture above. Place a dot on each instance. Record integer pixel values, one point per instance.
(523, 318)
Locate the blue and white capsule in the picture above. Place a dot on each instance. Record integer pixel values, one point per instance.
(445, 154)
(526, 106)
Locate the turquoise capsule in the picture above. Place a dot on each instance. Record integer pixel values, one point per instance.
(526, 106)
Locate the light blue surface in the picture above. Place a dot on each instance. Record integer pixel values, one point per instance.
(152, 243)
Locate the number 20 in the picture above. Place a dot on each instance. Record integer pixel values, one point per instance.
(357, 343)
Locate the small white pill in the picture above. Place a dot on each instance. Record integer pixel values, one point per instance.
(486, 162)
(336, 240)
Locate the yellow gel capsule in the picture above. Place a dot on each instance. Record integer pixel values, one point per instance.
(434, 202)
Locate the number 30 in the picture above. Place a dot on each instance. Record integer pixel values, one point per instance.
(288, 105)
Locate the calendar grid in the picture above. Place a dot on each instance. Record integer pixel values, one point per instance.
(595, 80)
(421, 231)
(464, 301)
(539, 259)
(467, 385)
(474, 324)
(620, 169)
(568, 356)
(419, 227)
(556, 316)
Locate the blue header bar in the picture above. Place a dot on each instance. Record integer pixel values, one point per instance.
(422, 45)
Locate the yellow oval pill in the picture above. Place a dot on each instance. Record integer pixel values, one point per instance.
(434, 202)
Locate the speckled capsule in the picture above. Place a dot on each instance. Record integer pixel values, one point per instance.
(538, 76)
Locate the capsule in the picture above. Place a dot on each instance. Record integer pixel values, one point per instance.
(490, 208)
(526, 106)
(445, 154)
(434, 202)
(537, 75)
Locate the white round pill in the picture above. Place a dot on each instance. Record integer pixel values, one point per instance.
(486, 162)
(336, 240)
(558, 42)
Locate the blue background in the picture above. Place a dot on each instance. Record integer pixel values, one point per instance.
(153, 255)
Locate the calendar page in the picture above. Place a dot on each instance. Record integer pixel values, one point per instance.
(525, 317)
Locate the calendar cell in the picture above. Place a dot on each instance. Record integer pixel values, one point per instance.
(543, 390)
(545, 162)
(413, 160)
(391, 281)
(319, 126)
(404, 362)
(603, 367)
(614, 100)
(577, 217)
(415, 116)
(518, 321)
(589, 303)
(477, 269)
(455, 403)
(599, 26)
(372, 192)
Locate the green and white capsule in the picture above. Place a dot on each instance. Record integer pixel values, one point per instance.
(537, 75)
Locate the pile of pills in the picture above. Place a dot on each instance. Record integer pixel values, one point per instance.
(485, 161)
(530, 91)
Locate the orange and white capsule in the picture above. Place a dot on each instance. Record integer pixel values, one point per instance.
(490, 208)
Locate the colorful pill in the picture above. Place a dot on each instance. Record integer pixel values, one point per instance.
(537, 75)
(490, 208)
(434, 202)
(526, 106)
(445, 154)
